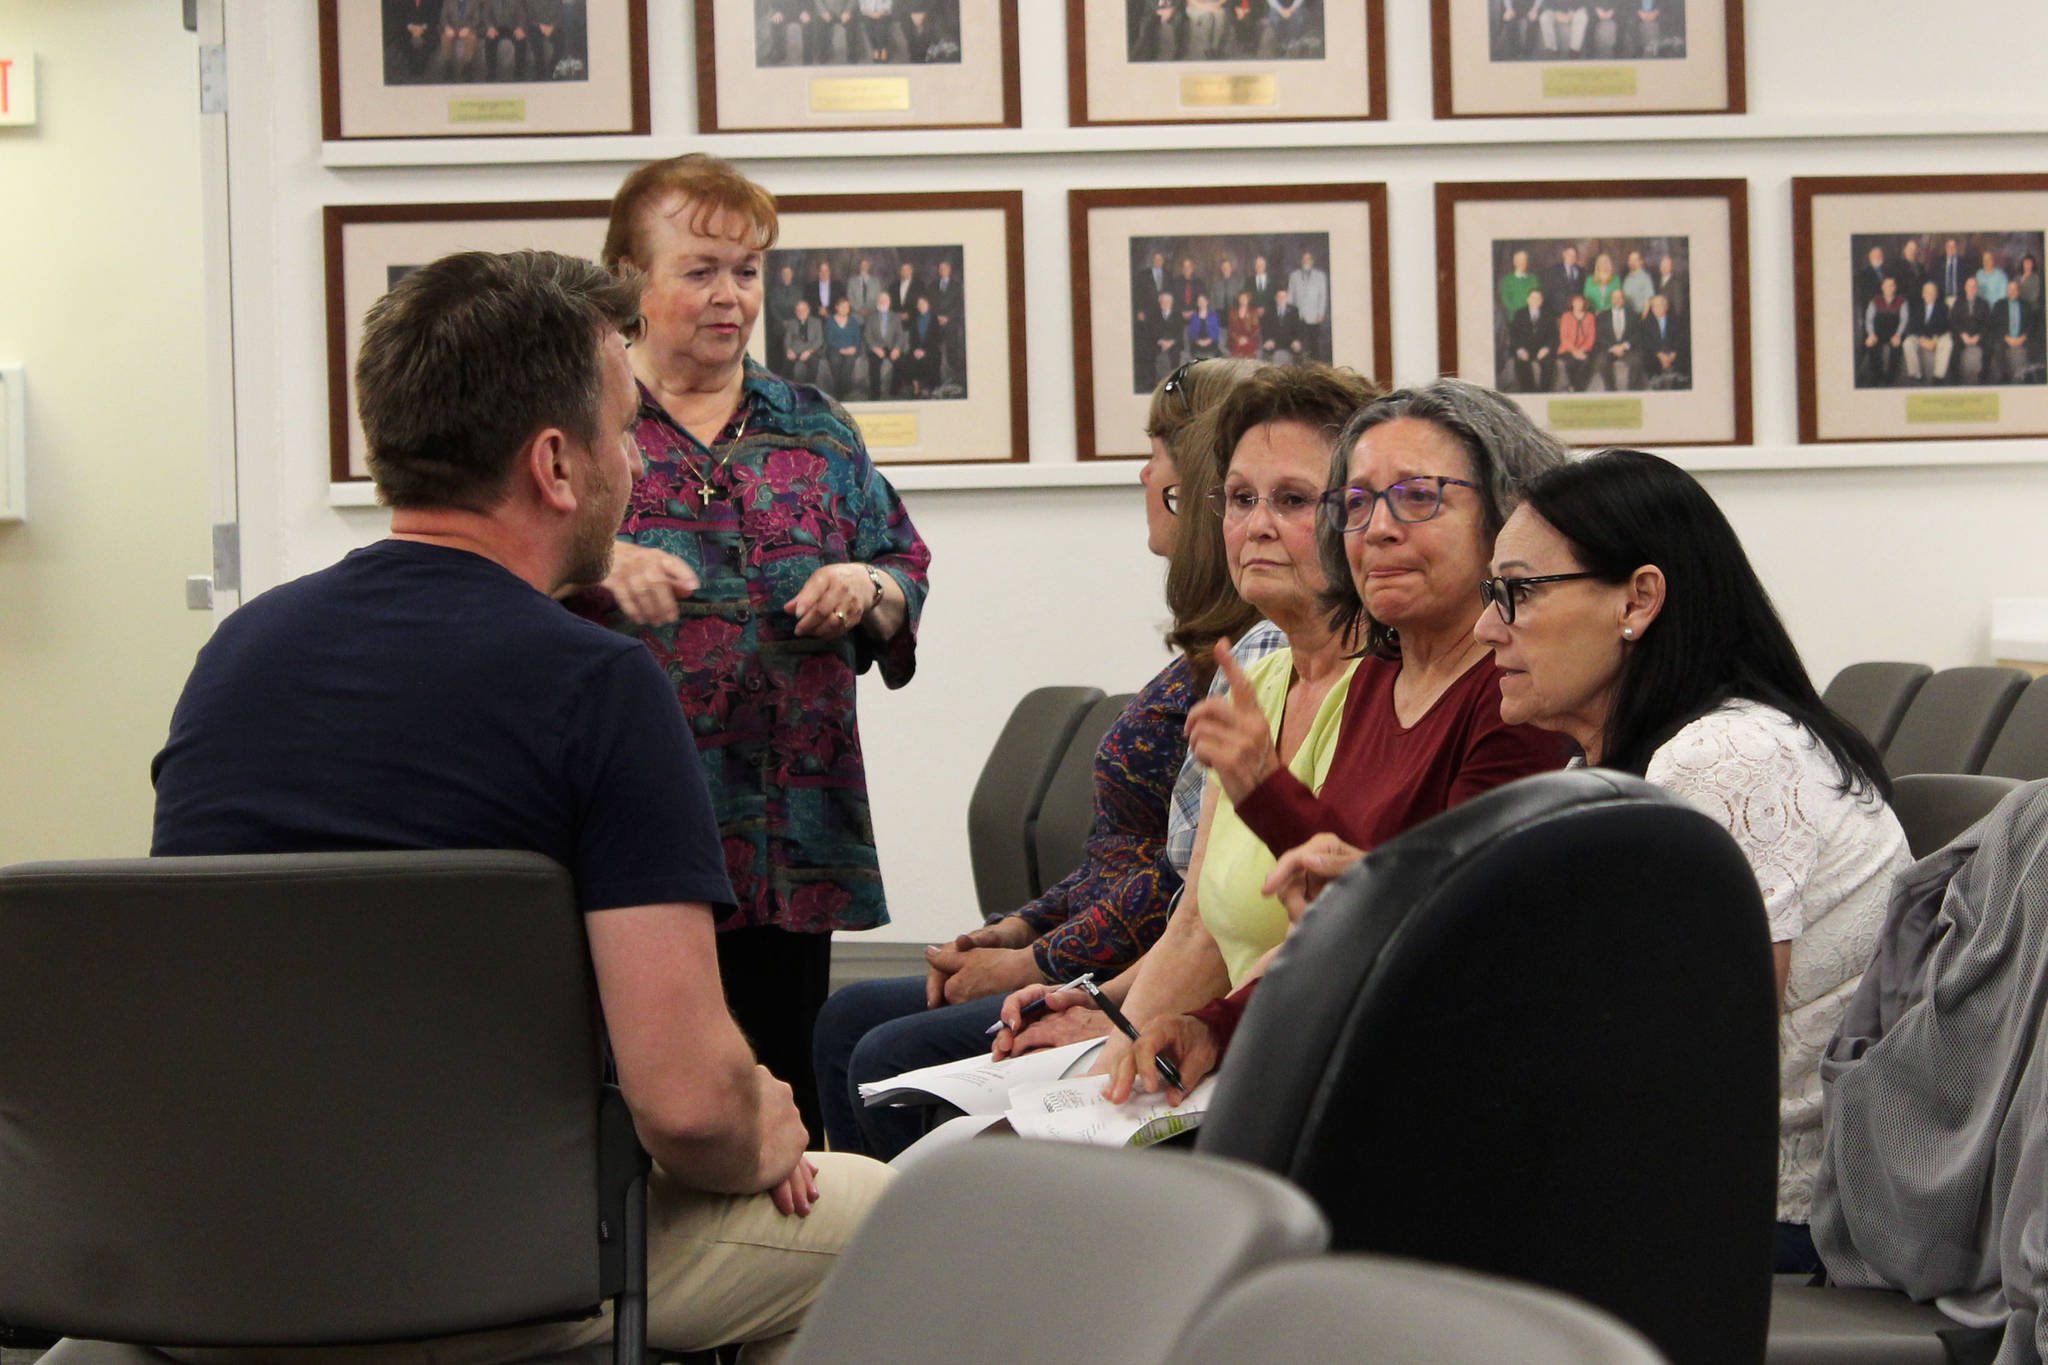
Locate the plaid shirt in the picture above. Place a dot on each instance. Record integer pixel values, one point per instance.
(1185, 812)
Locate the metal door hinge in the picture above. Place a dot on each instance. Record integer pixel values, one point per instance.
(213, 78)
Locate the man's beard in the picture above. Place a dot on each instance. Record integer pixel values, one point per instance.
(597, 528)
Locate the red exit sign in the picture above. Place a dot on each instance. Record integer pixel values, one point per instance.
(17, 87)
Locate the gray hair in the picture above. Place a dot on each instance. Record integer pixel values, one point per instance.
(1505, 447)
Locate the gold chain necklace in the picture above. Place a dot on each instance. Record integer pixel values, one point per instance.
(718, 466)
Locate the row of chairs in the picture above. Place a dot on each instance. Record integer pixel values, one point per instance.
(1029, 816)
(1955, 742)
(1077, 1252)
(228, 1116)
(1961, 720)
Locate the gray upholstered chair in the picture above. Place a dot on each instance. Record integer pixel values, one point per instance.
(1814, 1325)
(1873, 696)
(1067, 814)
(1000, 1250)
(1002, 813)
(2021, 749)
(1952, 720)
(1935, 807)
(1393, 1312)
(1536, 1037)
(306, 1099)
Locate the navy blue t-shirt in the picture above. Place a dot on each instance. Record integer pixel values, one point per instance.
(416, 696)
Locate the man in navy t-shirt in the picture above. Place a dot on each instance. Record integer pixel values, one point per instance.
(428, 692)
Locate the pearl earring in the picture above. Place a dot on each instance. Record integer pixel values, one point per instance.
(1628, 632)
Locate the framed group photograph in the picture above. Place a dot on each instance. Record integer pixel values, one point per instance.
(819, 65)
(1614, 312)
(1208, 61)
(1522, 58)
(909, 309)
(480, 68)
(1278, 274)
(371, 247)
(1920, 306)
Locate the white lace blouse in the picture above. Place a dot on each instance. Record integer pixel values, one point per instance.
(1824, 861)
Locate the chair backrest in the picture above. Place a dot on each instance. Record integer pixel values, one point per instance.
(1535, 1036)
(1873, 696)
(975, 1254)
(2021, 749)
(1067, 814)
(1002, 814)
(1934, 808)
(298, 1099)
(1949, 726)
(1392, 1312)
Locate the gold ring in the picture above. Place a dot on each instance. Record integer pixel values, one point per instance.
(840, 617)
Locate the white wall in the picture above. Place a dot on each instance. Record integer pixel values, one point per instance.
(102, 305)
(1034, 585)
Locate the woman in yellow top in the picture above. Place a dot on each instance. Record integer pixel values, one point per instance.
(1270, 440)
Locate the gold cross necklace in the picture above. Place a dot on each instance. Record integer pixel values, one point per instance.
(717, 466)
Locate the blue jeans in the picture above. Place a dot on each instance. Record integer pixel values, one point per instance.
(873, 1030)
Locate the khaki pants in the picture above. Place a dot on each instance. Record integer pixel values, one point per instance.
(721, 1268)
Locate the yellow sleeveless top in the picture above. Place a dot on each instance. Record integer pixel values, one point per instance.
(1245, 922)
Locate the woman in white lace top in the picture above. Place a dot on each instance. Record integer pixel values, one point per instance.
(1627, 616)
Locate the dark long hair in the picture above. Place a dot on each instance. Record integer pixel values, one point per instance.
(1717, 638)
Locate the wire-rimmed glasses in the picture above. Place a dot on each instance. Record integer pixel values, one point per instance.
(1287, 504)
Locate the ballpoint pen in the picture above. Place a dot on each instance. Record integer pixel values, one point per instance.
(1085, 980)
(1168, 1072)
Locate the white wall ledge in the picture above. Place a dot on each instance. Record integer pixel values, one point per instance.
(1213, 137)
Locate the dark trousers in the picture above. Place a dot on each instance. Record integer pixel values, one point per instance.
(774, 983)
(1794, 1250)
(873, 1030)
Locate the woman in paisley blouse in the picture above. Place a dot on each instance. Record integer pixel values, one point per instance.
(765, 562)
(1109, 909)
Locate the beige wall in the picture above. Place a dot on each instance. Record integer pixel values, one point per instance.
(102, 307)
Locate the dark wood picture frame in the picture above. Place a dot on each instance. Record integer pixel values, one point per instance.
(1082, 203)
(1010, 203)
(1734, 191)
(1807, 303)
(335, 219)
(332, 75)
(1444, 61)
(1374, 76)
(706, 20)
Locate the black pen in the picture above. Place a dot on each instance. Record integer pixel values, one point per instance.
(1168, 1072)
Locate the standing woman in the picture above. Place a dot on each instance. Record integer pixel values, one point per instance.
(765, 562)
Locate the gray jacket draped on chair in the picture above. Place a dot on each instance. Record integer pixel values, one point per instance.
(1935, 1176)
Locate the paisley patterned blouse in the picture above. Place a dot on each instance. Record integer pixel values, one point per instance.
(1115, 904)
(790, 488)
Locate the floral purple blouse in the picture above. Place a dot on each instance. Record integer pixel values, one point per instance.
(791, 489)
(1112, 907)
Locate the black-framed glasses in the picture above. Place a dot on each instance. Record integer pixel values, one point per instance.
(1503, 594)
(1287, 504)
(1177, 383)
(1169, 496)
(1418, 499)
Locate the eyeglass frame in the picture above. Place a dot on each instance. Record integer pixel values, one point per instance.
(1498, 592)
(1219, 499)
(1332, 502)
(1177, 383)
(1169, 498)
